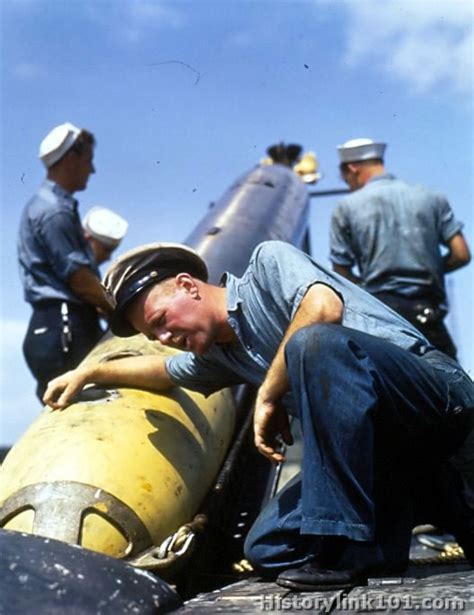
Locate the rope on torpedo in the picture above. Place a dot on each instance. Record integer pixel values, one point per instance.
(173, 549)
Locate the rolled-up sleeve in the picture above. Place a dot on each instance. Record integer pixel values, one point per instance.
(448, 226)
(341, 251)
(61, 244)
(200, 373)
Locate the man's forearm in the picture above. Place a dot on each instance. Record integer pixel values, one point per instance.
(451, 262)
(147, 372)
(86, 285)
(459, 254)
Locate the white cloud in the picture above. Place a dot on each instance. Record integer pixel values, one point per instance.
(145, 15)
(146, 11)
(425, 43)
(135, 19)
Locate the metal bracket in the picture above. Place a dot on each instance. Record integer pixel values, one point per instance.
(60, 508)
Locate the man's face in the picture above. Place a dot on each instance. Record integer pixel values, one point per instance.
(178, 318)
(83, 167)
(349, 175)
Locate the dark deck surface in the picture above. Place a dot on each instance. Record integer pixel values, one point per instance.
(423, 589)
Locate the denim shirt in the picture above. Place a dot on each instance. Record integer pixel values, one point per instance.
(392, 231)
(51, 245)
(260, 306)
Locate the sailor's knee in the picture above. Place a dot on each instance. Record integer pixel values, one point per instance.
(253, 553)
(316, 338)
(256, 550)
(264, 556)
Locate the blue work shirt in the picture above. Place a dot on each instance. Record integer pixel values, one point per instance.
(393, 231)
(261, 305)
(51, 245)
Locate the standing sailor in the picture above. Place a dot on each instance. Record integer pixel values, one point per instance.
(393, 231)
(59, 274)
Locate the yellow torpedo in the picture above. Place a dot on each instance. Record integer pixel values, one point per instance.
(120, 470)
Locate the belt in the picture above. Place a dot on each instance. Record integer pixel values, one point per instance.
(46, 303)
(57, 303)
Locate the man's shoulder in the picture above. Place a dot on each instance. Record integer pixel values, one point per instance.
(271, 260)
(271, 255)
(272, 248)
(412, 187)
(45, 204)
(390, 186)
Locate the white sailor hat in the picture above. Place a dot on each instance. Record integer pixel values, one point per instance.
(356, 150)
(142, 267)
(57, 142)
(105, 225)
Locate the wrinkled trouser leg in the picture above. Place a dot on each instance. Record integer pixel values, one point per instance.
(368, 410)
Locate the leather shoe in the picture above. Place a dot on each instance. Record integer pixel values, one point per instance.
(312, 577)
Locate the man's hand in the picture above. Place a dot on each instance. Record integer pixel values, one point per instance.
(320, 304)
(62, 389)
(270, 421)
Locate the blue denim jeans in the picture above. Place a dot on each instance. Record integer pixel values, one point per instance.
(375, 420)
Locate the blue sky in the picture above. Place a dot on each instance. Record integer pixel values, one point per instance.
(184, 96)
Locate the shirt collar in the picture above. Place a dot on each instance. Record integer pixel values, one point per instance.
(60, 192)
(230, 282)
(383, 176)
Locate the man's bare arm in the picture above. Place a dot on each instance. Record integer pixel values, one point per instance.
(319, 305)
(86, 285)
(458, 255)
(147, 372)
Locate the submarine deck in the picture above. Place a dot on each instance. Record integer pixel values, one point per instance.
(423, 589)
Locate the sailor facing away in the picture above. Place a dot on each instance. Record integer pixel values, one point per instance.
(382, 412)
(393, 232)
(57, 266)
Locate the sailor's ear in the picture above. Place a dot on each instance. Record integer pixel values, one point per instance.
(187, 282)
(353, 167)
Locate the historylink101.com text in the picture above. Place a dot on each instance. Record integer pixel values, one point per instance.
(354, 604)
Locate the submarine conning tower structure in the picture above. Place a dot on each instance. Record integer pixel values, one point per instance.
(121, 470)
(269, 202)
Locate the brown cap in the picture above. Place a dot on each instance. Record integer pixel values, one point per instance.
(144, 266)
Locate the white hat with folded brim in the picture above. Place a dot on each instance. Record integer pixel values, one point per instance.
(357, 150)
(57, 142)
(105, 225)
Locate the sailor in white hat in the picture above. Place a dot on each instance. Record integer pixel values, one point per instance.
(57, 142)
(104, 230)
(59, 273)
(392, 232)
(360, 159)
